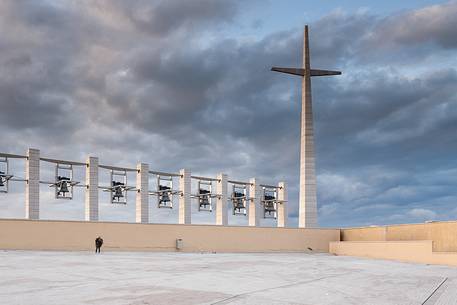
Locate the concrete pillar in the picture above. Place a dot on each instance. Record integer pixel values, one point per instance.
(91, 197)
(254, 208)
(32, 189)
(221, 202)
(142, 195)
(282, 205)
(184, 198)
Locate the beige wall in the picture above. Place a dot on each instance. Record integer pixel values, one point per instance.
(443, 234)
(407, 251)
(364, 234)
(80, 235)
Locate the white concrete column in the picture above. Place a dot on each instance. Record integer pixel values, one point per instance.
(282, 205)
(221, 202)
(91, 198)
(184, 198)
(254, 203)
(142, 195)
(32, 189)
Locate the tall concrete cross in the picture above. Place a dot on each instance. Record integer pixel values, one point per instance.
(308, 200)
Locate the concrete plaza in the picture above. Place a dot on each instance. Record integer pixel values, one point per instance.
(30, 277)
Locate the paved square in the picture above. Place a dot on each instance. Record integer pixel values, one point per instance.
(28, 277)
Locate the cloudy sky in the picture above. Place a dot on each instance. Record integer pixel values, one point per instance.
(187, 84)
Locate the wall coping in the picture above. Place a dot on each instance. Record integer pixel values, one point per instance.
(402, 224)
(163, 224)
(383, 241)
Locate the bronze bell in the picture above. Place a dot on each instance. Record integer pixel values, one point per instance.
(238, 200)
(2, 178)
(269, 197)
(204, 197)
(118, 193)
(117, 188)
(269, 204)
(164, 195)
(62, 185)
(63, 188)
(164, 198)
(238, 203)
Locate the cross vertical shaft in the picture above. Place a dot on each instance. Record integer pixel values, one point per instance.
(307, 196)
(307, 216)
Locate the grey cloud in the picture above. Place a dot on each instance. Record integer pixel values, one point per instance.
(163, 17)
(134, 83)
(435, 24)
(408, 37)
(337, 38)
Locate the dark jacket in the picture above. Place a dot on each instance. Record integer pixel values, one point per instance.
(98, 242)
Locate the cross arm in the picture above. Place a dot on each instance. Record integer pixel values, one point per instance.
(301, 72)
(315, 72)
(293, 71)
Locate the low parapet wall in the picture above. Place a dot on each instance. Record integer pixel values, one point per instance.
(443, 234)
(80, 235)
(418, 251)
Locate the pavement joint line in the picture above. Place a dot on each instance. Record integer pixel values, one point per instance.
(434, 291)
(278, 287)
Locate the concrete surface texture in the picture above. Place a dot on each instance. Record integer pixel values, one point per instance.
(91, 196)
(254, 203)
(142, 195)
(184, 198)
(221, 200)
(32, 187)
(283, 210)
(30, 277)
(307, 195)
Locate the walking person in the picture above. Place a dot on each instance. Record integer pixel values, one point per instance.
(98, 244)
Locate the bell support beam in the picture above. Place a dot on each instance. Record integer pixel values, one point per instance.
(254, 203)
(91, 196)
(32, 189)
(221, 201)
(282, 219)
(185, 207)
(142, 195)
